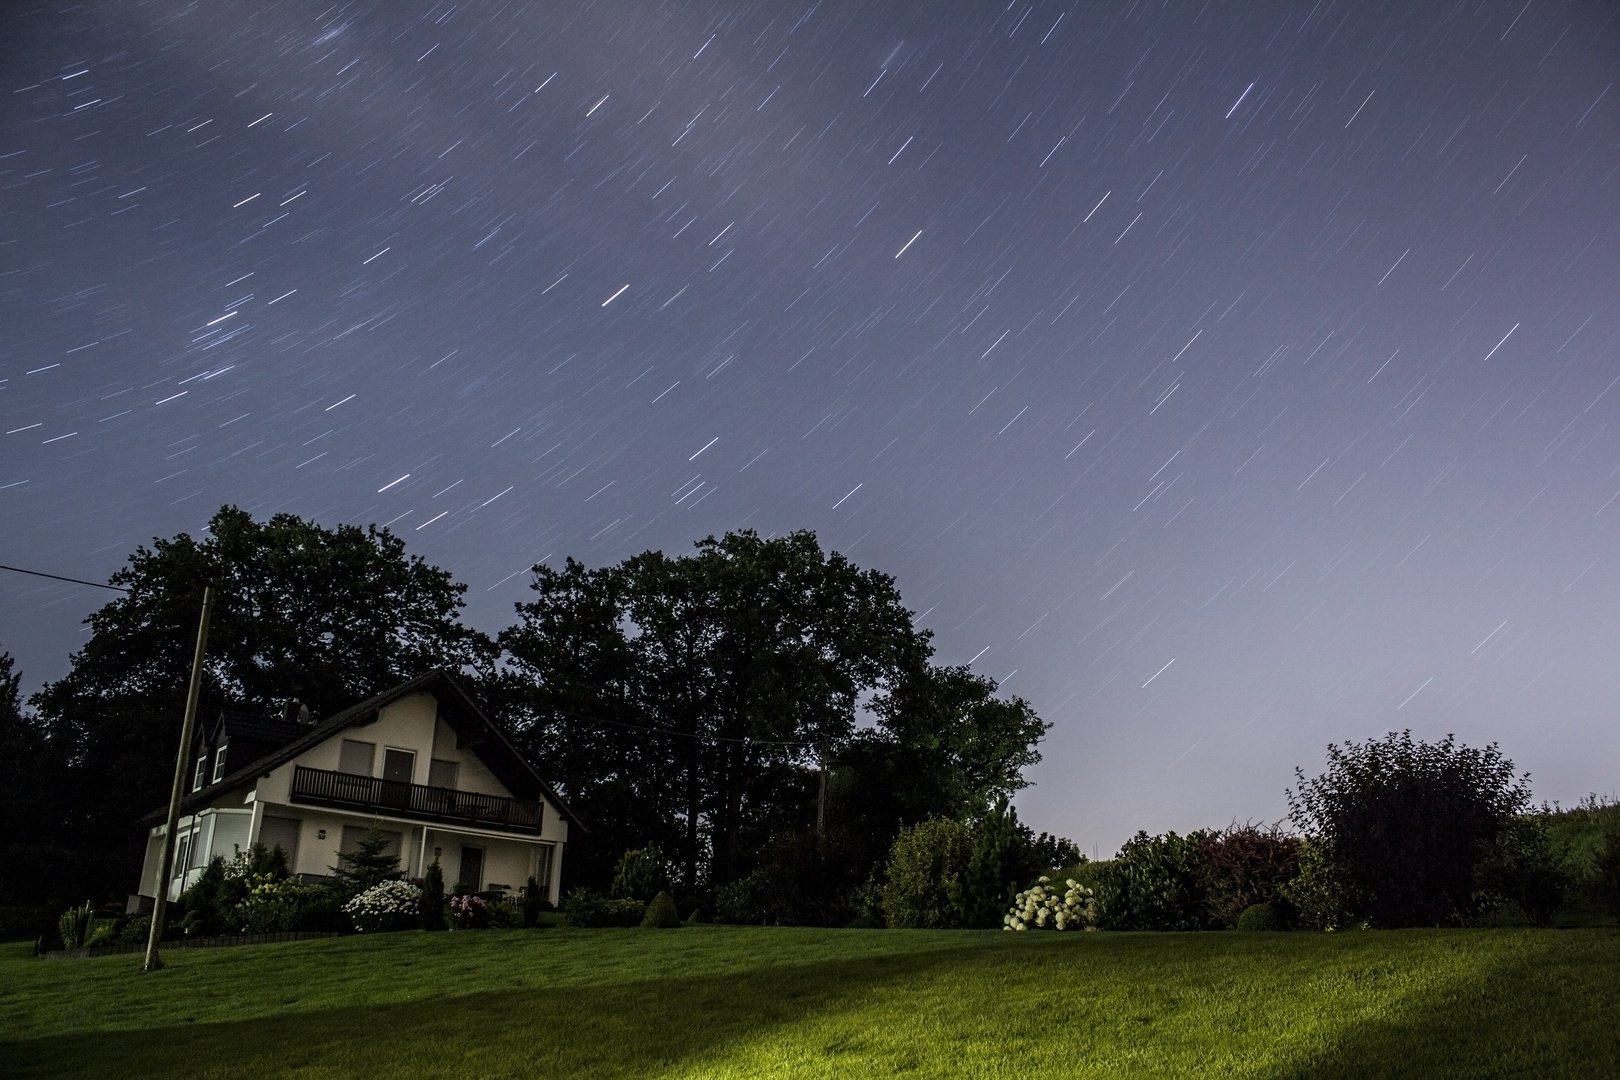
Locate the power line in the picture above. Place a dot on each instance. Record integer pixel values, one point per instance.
(59, 577)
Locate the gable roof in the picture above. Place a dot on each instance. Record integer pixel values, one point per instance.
(473, 729)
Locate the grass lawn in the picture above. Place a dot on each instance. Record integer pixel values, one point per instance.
(748, 1002)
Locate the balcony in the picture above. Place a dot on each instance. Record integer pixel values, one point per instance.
(349, 791)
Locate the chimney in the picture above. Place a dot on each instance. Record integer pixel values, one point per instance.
(296, 712)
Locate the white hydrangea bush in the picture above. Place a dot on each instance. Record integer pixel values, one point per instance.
(1046, 906)
(388, 905)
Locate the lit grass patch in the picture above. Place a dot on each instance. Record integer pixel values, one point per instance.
(747, 1002)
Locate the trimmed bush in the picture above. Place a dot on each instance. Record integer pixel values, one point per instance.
(661, 913)
(1262, 917)
(1152, 884)
(586, 908)
(640, 875)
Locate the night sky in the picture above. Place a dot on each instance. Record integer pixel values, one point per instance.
(1225, 379)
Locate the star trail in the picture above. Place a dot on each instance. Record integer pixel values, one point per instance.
(1224, 379)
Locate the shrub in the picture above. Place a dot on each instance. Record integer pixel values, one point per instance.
(640, 875)
(387, 905)
(1262, 917)
(1243, 866)
(698, 916)
(1607, 865)
(76, 925)
(741, 901)
(534, 902)
(927, 872)
(586, 908)
(806, 879)
(1152, 884)
(1005, 856)
(502, 914)
(271, 907)
(1409, 824)
(1317, 893)
(1043, 907)
(467, 911)
(1524, 868)
(661, 913)
(433, 897)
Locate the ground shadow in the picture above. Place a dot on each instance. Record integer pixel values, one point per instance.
(1546, 1013)
(630, 1029)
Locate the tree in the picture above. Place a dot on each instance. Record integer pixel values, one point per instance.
(328, 616)
(368, 864)
(944, 746)
(1409, 825)
(689, 702)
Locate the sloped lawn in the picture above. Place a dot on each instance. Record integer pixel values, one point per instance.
(748, 1002)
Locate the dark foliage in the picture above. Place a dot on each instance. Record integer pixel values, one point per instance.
(1262, 917)
(804, 879)
(1409, 824)
(661, 913)
(329, 616)
(1607, 865)
(534, 902)
(1152, 884)
(1524, 868)
(946, 874)
(689, 703)
(641, 874)
(587, 908)
(432, 906)
(367, 865)
(1243, 866)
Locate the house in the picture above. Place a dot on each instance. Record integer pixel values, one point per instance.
(421, 762)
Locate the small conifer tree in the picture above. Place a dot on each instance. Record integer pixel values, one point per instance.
(367, 865)
(433, 897)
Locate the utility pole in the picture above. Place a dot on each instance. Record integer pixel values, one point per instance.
(821, 795)
(182, 759)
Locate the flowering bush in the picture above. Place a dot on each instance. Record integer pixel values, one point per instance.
(1043, 908)
(388, 905)
(467, 912)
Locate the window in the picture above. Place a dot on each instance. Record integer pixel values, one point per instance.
(356, 757)
(202, 770)
(399, 765)
(180, 854)
(442, 773)
(219, 765)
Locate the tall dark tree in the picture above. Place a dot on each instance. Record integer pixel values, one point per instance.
(328, 616)
(708, 687)
(944, 746)
(1409, 825)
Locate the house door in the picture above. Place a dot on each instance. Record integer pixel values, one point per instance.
(472, 868)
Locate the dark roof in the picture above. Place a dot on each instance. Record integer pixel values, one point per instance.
(256, 726)
(472, 727)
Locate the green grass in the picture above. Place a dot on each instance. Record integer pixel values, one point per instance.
(753, 1002)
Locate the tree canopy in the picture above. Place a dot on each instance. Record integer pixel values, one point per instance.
(691, 704)
(326, 615)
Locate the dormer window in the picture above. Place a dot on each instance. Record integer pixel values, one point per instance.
(219, 765)
(202, 771)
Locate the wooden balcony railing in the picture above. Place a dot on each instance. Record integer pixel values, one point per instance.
(350, 791)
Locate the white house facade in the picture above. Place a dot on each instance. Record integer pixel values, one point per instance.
(420, 762)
